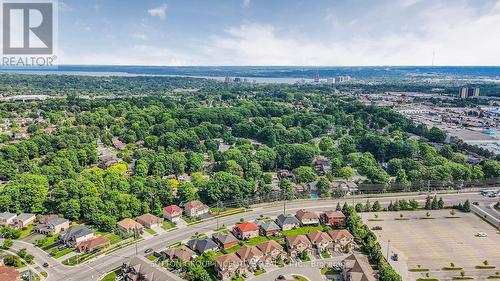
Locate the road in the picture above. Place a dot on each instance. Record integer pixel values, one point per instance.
(97, 267)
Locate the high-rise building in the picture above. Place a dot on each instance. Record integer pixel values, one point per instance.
(466, 92)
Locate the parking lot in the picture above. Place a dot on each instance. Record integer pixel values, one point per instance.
(434, 243)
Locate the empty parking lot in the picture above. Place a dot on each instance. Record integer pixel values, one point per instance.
(434, 243)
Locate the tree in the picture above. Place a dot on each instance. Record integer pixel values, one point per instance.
(346, 173)
(376, 206)
(338, 208)
(7, 244)
(367, 206)
(428, 204)
(413, 204)
(187, 192)
(440, 203)
(434, 204)
(323, 185)
(466, 206)
(304, 174)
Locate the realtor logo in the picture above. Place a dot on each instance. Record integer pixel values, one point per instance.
(28, 33)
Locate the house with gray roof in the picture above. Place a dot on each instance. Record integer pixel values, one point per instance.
(140, 267)
(23, 220)
(7, 218)
(287, 222)
(51, 225)
(268, 228)
(77, 234)
(202, 245)
(225, 240)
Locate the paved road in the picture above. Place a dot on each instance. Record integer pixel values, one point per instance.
(96, 268)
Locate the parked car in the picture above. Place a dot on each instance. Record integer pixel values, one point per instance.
(482, 234)
(45, 264)
(148, 251)
(377, 227)
(475, 203)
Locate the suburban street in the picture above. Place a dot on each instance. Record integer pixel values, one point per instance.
(96, 268)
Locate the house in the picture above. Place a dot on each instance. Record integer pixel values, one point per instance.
(229, 265)
(268, 228)
(172, 213)
(251, 256)
(183, 253)
(130, 226)
(9, 274)
(298, 244)
(118, 144)
(320, 240)
(23, 220)
(333, 218)
(323, 166)
(344, 186)
(342, 239)
(202, 245)
(150, 221)
(195, 208)
(287, 222)
(77, 234)
(357, 268)
(272, 250)
(93, 244)
(225, 240)
(285, 174)
(7, 218)
(51, 225)
(246, 230)
(307, 217)
(140, 268)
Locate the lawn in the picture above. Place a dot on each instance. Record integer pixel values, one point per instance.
(47, 241)
(32, 274)
(301, 230)
(113, 238)
(111, 276)
(167, 225)
(299, 278)
(259, 272)
(329, 271)
(55, 253)
(256, 240)
(77, 259)
(150, 231)
(232, 249)
(25, 232)
(325, 255)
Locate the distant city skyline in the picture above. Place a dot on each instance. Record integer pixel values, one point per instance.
(272, 32)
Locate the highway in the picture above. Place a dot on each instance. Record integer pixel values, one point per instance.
(96, 268)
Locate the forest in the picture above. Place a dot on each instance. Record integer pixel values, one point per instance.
(228, 139)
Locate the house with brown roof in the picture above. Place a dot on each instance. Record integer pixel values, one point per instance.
(307, 217)
(246, 230)
(272, 250)
(356, 267)
(195, 208)
(118, 144)
(298, 244)
(9, 274)
(172, 213)
(225, 240)
(342, 239)
(251, 256)
(150, 221)
(183, 253)
(130, 226)
(333, 218)
(320, 240)
(93, 244)
(228, 266)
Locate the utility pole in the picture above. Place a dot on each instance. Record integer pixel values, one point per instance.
(218, 213)
(388, 246)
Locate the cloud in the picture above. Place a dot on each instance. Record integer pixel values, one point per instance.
(139, 36)
(246, 3)
(159, 11)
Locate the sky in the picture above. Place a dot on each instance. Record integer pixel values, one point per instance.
(279, 32)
